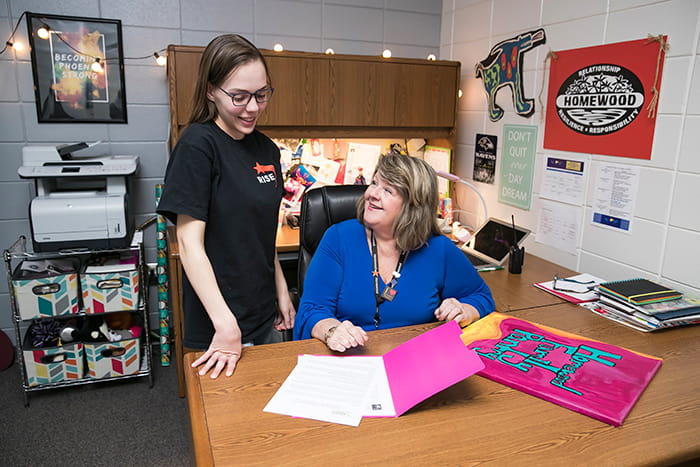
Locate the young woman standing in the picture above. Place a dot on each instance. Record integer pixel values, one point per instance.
(223, 189)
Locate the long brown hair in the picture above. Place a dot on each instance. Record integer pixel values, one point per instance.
(223, 55)
(415, 179)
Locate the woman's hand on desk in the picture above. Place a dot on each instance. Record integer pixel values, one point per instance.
(451, 308)
(224, 352)
(339, 336)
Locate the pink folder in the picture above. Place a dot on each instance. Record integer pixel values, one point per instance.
(591, 377)
(427, 364)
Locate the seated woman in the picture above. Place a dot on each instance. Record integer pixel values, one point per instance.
(389, 267)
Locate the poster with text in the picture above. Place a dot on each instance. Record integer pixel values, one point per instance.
(485, 158)
(615, 196)
(601, 99)
(517, 165)
(78, 69)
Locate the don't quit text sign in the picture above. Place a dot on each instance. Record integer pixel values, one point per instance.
(517, 165)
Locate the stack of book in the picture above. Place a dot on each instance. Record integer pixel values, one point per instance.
(645, 305)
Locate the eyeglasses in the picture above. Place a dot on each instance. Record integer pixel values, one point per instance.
(241, 99)
(583, 287)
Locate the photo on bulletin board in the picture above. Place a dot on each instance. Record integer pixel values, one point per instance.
(78, 69)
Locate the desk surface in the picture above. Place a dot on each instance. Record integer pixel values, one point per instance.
(287, 240)
(513, 292)
(473, 422)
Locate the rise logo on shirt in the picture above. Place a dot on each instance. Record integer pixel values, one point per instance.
(265, 173)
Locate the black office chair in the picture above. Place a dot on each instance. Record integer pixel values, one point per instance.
(321, 208)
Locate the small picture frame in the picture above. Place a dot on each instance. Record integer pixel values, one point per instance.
(68, 86)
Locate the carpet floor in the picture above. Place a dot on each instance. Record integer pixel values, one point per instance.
(104, 424)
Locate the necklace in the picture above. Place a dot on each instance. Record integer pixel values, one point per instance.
(389, 292)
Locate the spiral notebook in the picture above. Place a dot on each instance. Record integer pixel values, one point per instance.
(638, 291)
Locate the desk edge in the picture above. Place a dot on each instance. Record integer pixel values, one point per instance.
(198, 425)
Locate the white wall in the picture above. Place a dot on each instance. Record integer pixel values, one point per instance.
(664, 243)
(410, 28)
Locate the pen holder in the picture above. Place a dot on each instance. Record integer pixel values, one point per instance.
(516, 259)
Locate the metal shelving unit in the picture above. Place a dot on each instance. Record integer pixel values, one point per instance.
(18, 252)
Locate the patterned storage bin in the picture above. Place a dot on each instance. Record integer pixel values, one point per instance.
(109, 359)
(46, 288)
(52, 364)
(112, 285)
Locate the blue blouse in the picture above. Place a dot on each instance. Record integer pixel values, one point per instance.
(339, 283)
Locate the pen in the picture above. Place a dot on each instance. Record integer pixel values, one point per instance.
(491, 268)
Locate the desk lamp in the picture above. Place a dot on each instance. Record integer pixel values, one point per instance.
(455, 178)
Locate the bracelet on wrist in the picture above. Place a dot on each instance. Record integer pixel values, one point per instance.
(329, 333)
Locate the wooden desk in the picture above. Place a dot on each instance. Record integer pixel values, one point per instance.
(513, 292)
(287, 239)
(287, 242)
(476, 421)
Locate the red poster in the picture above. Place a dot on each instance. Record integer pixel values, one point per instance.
(599, 99)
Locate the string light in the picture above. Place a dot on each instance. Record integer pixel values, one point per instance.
(277, 47)
(386, 53)
(17, 46)
(330, 51)
(11, 42)
(432, 57)
(161, 60)
(97, 66)
(43, 31)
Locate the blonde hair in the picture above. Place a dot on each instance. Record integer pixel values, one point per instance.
(223, 55)
(416, 181)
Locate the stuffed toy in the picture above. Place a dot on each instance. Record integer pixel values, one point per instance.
(94, 329)
(119, 320)
(121, 326)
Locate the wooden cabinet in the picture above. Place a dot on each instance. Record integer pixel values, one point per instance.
(301, 91)
(362, 93)
(318, 95)
(426, 95)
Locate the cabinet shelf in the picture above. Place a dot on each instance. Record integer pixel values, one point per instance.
(337, 96)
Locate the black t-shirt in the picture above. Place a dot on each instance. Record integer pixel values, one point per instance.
(235, 186)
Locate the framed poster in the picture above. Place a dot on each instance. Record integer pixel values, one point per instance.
(78, 69)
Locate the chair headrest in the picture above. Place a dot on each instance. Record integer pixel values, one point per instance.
(323, 207)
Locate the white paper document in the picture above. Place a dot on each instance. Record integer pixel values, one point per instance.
(344, 389)
(616, 188)
(558, 225)
(327, 388)
(564, 180)
(439, 159)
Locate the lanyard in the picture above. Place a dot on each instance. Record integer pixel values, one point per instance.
(389, 293)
